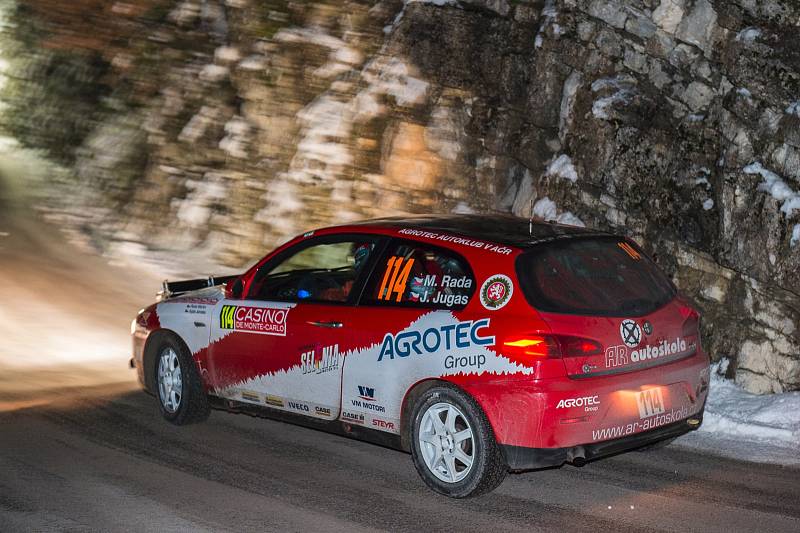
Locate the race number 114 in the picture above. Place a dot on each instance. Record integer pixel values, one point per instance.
(650, 402)
(395, 278)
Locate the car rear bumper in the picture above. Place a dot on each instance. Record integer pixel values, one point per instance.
(520, 458)
(564, 413)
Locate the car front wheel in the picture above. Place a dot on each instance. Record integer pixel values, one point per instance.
(453, 446)
(180, 392)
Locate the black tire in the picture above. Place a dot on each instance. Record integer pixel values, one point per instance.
(192, 405)
(488, 468)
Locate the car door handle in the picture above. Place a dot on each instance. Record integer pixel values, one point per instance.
(326, 324)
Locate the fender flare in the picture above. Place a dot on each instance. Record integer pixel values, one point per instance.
(149, 354)
(414, 393)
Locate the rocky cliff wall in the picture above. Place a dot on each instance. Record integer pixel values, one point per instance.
(218, 128)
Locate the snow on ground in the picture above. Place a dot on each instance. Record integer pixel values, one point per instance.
(752, 427)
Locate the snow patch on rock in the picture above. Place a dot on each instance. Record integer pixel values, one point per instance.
(311, 35)
(184, 13)
(748, 35)
(622, 87)
(568, 96)
(549, 14)
(236, 138)
(196, 209)
(198, 124)
(253, 63)
(387, 77)
(776, 187)
(227, 54)
(214, 73)
(547, 210)
(321, 152)
(562, 167)
(462, 208)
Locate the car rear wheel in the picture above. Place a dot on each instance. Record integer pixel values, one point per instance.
(180, 392)
(453, 446)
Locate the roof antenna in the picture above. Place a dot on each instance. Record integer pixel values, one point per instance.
(530, 221)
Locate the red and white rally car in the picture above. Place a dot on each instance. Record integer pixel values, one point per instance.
(480, 344)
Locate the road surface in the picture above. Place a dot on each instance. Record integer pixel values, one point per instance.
(82, 448)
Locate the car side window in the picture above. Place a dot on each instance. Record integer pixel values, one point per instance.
(324, 272)
(412, 274)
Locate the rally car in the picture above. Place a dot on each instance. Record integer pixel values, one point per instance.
(481, 344)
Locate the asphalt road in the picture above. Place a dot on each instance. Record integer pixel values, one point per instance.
(82, 448)
(102, 459)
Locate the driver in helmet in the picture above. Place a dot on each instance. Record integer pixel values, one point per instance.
(360, 253)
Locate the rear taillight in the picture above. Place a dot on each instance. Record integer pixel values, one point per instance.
(553, 346)
(579, 347)
(542, 346)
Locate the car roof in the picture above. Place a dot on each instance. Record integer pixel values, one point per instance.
(503, 229)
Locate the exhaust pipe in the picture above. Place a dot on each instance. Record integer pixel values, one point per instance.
(577, 457)
(579, 461)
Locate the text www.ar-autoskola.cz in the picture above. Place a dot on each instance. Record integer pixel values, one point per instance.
(653, 422)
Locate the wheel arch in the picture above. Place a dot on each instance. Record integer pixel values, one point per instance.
(150, 354)
(415, 392)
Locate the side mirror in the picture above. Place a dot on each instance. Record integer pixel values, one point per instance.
(234, 288)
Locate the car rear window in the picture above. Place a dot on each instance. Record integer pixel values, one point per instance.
(593, 276)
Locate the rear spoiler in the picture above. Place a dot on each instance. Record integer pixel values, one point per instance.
(170, 289)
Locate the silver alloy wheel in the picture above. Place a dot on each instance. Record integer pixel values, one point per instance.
(447, 442)
(170, 380)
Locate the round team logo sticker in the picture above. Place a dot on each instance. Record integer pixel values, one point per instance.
(630, 332)
(496, 291)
